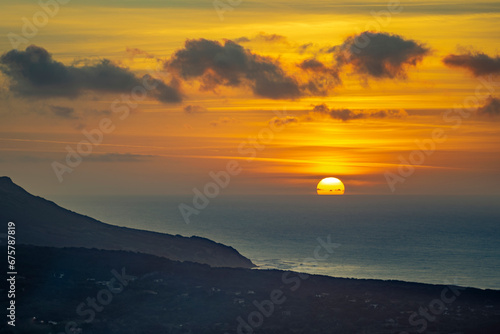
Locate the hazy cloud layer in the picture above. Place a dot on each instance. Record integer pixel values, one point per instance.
(33, 73)
(380, 55)
(230, 64)
(477, 63)
(348, 114)
(118, 157)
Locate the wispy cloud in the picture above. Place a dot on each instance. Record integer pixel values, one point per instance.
(346, 115)
(263, 37)
(279, 121)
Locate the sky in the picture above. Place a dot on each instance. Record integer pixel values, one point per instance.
(157, 97)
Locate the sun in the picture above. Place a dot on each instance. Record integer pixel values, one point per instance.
(330, 186)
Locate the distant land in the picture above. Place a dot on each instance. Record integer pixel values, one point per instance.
(41, 222)
(107, 292)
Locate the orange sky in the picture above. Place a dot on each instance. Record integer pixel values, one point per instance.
(171, 147)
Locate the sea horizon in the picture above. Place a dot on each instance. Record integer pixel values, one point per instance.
(434, 239)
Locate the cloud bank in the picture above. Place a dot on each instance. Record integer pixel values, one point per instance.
(33, 73)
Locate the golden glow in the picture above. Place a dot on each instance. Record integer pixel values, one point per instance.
(330, 186)
(164, 142)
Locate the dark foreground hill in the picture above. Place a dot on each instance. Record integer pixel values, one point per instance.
(77, 290)
(44, 223)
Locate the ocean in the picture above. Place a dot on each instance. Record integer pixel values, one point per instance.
(426, 239)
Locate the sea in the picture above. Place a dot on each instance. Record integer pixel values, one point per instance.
(426, 239)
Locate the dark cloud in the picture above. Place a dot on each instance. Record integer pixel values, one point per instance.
(33, 73)
(478, 63)
(491, 107)
(320, 78)
(312, 64)
(163, 92)
(192, 109)
(230, 64)
(321, 108)
(64, 112)
(345, 114)
(380, 55)
(348, 114)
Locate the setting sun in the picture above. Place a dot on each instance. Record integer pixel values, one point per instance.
(330, 186)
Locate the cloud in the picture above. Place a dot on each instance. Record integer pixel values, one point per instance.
(491, 107)
(303, 48)
(64, 112)
(134, 52)
(222, 121)
(388, 113)
(33, 73)
(380, 55)
(263, 37)
(163, 92)
(279, 121)
(346, 115)
(477, 63)
(191, 109)
(230, 64)
(321, 78)
(242, 39)
(312, 64)
(118, 157)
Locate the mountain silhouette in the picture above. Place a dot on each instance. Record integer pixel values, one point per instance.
(41, 222)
